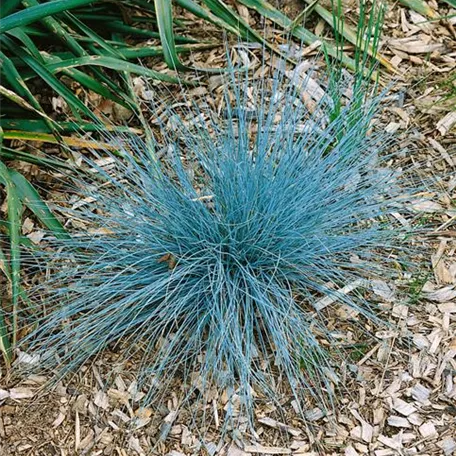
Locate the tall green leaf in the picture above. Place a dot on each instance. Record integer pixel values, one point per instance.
(37, 12)
(14, 213)
(31, 198)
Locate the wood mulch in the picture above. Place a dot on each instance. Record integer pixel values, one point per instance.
(402, 397)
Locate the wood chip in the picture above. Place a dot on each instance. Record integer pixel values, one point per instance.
(101, 400)
(425, 205)
(367, 430)
(415, 419)
(413, 46)
(339, 294)
(314, 414)
(233, 450)
(21, 393)
(420, 393)
(445, 294)
(134, 445)
(389, 442)
(437, 146)
(77, 432)
(446, 124)
(427, 430)
(382, 289)
(3, 394)
(448, 446)
(448, 307)
(398, 421)
(266, 450)
(350, 451)
(59, 420)
(403, 407)
(277, 425)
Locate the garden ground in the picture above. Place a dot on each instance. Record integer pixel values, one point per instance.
(401, 395)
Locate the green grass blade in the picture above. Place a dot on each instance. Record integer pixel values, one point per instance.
(15, 80)
(421, 7)
(203, 13)
(75, 104)
(37, 12)
(103, 47)
(227, 14)
(115, 64)
(154, 51)
(120, 27)
(62, 33)
(87, 81)
(8, 6)
(14, 213)
(20, 35)
(269, 12)
(5, 345)
(20, 101)
(302, 16)
(56, 28)
(102, 43)
(170, 51)
(17, 83)
(92, 84)
(31, 198)
(66, 140)
(38, 126)
(351, 36)
(7, 153)
(23, 240)
(164, 13)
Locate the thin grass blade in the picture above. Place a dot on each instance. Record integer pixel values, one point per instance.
(420, 6)
(28, 195)
(74, 102)
(227, 14)
(13, 77)
(8, 6)
(21, 102)
(38, 126)
(154, 51)
(37, 12)
(57, 29)
(5, 345)
(203, 13)
(351, 36)
(12, 154)
(164, 14)
(265, 9)
(115, 64)
(14, 207)
(48, 138)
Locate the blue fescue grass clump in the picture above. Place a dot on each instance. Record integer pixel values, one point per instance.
(209, 264)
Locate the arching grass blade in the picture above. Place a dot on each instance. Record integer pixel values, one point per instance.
(14, 212)
(31, 198)
(37, 12)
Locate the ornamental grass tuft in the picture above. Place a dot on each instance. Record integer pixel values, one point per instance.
(209, 265)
